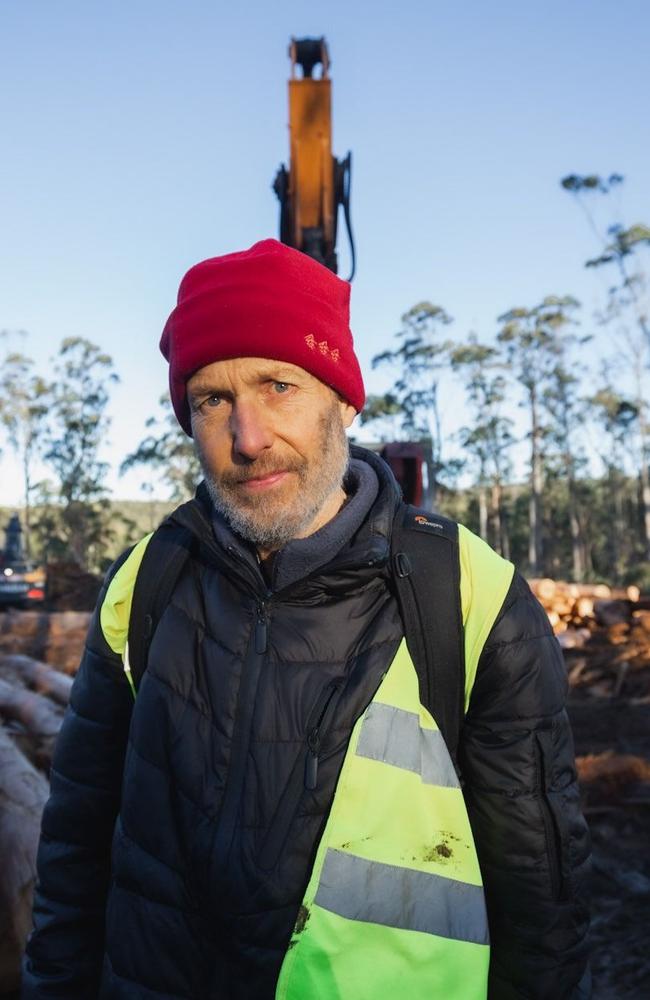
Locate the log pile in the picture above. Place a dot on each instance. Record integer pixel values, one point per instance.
(57, 638)
(32, 700)
(578, 604)
(604, 633)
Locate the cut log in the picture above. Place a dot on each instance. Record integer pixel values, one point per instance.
(583, 607)
(23, 792)
(554, 618)
(56, 638)
(38, 676)
(545, 589)
(40, 718)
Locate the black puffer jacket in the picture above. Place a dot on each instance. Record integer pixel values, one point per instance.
(200, 786)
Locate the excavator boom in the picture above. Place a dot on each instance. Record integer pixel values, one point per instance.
(316, 183)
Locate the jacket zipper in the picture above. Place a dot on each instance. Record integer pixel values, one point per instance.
(551, 835)
(323, 714)
(241, 741)
(304, 775)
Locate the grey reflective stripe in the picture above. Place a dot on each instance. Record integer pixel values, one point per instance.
(404, 898)
(394, 736)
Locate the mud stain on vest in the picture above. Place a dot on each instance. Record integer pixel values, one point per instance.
(301, 922)
(442, 851)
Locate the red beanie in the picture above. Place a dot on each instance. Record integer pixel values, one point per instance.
(266, 302)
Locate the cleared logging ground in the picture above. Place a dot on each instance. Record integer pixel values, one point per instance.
(606, 642)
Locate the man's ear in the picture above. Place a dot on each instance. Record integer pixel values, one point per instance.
(348, 412)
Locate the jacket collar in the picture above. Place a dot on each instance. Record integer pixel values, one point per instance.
(363, 551)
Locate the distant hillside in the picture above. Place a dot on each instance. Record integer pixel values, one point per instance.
(132, 520)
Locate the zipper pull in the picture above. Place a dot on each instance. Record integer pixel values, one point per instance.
(311, 760)
(260, 631)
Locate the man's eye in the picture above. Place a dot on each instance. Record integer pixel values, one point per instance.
(213, 400)
(280, 386)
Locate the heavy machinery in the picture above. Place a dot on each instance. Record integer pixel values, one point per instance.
(316, 184)
(312, 190)
(21, 582)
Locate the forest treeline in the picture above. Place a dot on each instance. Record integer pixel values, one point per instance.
(561, 486)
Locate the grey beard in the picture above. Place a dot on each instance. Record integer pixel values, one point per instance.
(268, 536)
(316, 485)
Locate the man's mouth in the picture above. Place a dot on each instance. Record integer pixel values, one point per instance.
(269, 479)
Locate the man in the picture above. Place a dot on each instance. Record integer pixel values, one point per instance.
(275, 813)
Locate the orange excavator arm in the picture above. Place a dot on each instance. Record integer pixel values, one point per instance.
(316, 184)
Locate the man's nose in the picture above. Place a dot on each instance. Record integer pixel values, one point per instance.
(251, 430)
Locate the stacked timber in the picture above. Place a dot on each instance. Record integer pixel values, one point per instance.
(581, 605)
(33, 697)
(55, 637)
(605, 634)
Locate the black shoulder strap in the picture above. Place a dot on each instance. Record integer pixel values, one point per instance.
(164, 558)
(426, 568)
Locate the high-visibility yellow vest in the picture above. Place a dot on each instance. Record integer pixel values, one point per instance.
(395, 906)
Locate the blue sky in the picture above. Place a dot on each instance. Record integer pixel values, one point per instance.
(142, 136)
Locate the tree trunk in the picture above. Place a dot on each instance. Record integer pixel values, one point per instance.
(495, 518)
(500, 527)
(644, 448)
(618, 525)
(645, 500)
(535, 555)
(28, 490)
(501, 516)
(483, 512)
(577, 548)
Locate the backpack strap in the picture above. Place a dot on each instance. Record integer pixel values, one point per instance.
(425, 558)
(163, 561)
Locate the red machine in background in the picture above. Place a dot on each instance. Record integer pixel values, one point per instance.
(406, 459)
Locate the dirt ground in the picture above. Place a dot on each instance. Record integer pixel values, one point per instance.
(619, 820)
(610, 714)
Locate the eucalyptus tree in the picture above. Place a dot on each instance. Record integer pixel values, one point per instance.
(567, 415)
(77, 426)
(167, 451)
(489, 437)
(627, 310)
(532, 339)
(418, 359)
(24, 400)
(615, 417)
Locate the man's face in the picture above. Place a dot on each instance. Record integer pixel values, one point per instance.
(271, 440)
